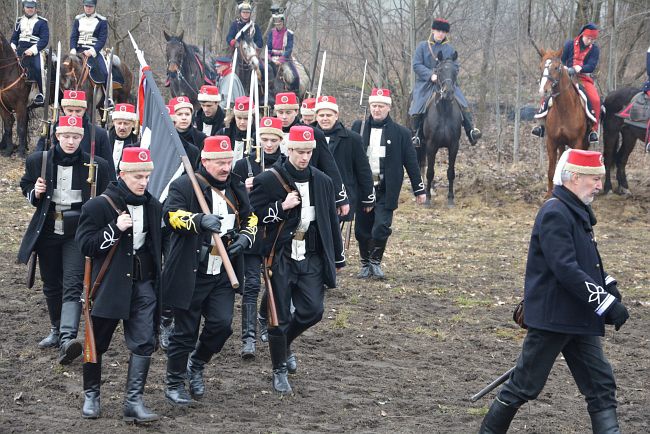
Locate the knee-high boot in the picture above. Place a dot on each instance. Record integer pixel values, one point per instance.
(365, 246)
(92, 378)
(195, 367)
(248, 330)
(278, 350)
(175, 390)
(71, 347)
(498, 418)
(376, 256)
(605, 422)
(473, 134)
(54, 311)
(134, 408)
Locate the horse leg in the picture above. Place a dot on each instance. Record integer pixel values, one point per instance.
(22, 119)
(451, 173)
(8, 144)
(610, 142)
(5, 128)
(551, 152)
(627, 146)
(431, 162)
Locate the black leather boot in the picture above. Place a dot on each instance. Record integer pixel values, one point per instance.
(92, 378)
(292, 361)
(134, 408)
(605, 422)
(166, 329)
(71, 347)
(54, 311)
(261, 319)
(498, 418)
(473, 134)
(538, 131)
(416, 129)
(365, 246)
(195, 366)
(376, 255)
(278, 350)
(175, 390)
(248, 332)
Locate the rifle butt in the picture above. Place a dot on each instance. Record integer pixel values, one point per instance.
(90, 350)
(31, 270)
(271, 309)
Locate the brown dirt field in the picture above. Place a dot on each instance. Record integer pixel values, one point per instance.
(403, 355)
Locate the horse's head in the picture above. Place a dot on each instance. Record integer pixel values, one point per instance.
(71, 71)
(175, 52)
(552, 70)
(248, 51)
(447, 72)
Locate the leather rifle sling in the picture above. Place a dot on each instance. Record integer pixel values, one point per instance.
(109, 257)
(269, 260)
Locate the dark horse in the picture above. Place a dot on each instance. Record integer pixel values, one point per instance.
(613, 126)
(14, 95)
(442, 124)
(566, 121)
(185, 71)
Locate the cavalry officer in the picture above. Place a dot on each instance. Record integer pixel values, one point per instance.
(31, 36)
(425, 61)
(581, 56)
(349, 155)
(74, 104)
(209, 118)
(568, 299)
(390, 151)
(308, 111)
(280, 42)
(58, 199)
(226, 75)
(122, 134)
(195, 283)
(296, 202)
(191, 138)
(88, 37)
(242, 24)
(270, 130)
(123, 226)
(236, 130)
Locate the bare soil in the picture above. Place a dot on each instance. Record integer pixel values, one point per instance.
(401, 355)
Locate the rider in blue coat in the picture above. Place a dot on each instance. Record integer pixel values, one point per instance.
(646, 86)
(31, 36)
(244, 20)
(425, 61)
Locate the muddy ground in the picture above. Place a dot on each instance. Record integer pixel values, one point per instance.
(402, 355)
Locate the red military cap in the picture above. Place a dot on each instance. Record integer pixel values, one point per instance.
(286, 101)
(216, 147)
(380, 95)
(241, 105)
(209, 93)
(125, 112)
(327, 102)
(301, 137)
(181, 102)
(74, 98)
(136, 160)
(269, 125)
(579, 161)
(308, 106)
(70, 124)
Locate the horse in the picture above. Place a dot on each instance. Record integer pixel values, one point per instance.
(613, 126)
(286, 80)
(566, 121)
(442, 122)
(14, 98)
(248, 62)
(185, 72)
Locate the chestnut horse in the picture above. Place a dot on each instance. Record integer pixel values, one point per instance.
(14, 96)
(566, 121)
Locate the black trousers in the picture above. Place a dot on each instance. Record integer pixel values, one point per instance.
(376, 224)
(252, 278)
(584, 356)
(139, 329)
(214, 299)
(302, 283)
(62, 267)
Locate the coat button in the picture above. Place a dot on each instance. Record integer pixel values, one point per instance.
(194, 270)
(128, 235)
(128, 274)
(198, 251)
(597, 265)
(128, 254)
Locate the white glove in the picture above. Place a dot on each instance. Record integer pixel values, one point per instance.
(31, 51)
(13, 46)
(434, 78)
(73, 52)
(577, 69)
(92, 52)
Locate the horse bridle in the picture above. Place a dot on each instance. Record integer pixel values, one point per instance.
(179, 73)
(547, 76)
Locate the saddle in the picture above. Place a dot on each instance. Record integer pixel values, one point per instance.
(637, 112)
(583, 99)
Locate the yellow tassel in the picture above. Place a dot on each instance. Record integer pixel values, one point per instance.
(182, 219)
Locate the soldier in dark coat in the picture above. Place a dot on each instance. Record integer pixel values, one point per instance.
(122, 134)
(195, 283)
(126, 219)
(209, 118)
(30, 37)
(243, 26)
(390, 151)
(191, 138)
(236, 130)
(270, 130)
(568, 299)
(74, 103)
(58, 199)
(345, 145)
(303, 243)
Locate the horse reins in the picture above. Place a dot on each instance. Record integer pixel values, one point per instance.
(22, 75)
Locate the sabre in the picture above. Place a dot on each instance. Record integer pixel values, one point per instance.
(138, 52)
(266, 82)
(313, 72)
(258, 142)
(109, 90)
(232, 69)
(57, 84)
(363, 83)
(322, 71)
(250, 112)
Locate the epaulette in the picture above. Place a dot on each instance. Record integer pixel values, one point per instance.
(100, 17)
(290, 31)
(80, 16)
(42, 18)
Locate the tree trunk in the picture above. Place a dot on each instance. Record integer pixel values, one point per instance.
(204, 21)
(175, 16)
(487, 51)
(71, 11)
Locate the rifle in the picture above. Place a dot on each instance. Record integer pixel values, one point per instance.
(271, 310)
(493, 385)
(90, 350)
(310, 94)
(109, 89)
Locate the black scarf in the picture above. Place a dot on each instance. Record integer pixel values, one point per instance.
(270, 159)
(219, 185)
(63, 159)
(378, 124)
(296, 121)
(297, 175)
(129, 197)
(335, 129)
(187, 136)
(201, 118)
(129, 140)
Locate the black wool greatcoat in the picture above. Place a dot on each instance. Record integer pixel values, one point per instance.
(182, 263)
(97, 234)
(400, 155)
(347, 149)
(267, 197)
(27, 182)
(217, 120)
(565, 289)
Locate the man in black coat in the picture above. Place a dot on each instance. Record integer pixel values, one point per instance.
(390, 151)
(238, 126)
(74, 104)
(58, 199)
(209, 118)
(195, 283)
(191, 138)
(568, 299)
(303, 245)
(286, 108)
(345, 145)
(124, 220)
(122, 134)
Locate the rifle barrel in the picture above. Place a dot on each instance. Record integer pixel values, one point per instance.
(493, 385)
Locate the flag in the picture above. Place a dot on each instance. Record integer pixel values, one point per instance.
(159, 135)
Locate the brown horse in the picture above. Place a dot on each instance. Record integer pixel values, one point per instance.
(566, 121)
(14, 96)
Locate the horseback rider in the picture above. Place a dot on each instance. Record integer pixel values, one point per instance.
(280, 41)
(425, 61)
(226, 75)
(243, 24)
(31, 36)
(581, 56)
(88, 37)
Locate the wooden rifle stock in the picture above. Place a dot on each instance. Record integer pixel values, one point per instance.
(90, 350)
(348, 234)
(271, 309)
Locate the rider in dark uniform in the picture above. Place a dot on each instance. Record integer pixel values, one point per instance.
(31, 36)
(280, 42)
(244, 21)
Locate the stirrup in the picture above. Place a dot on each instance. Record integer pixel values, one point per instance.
(416, 141)
(593, 138)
